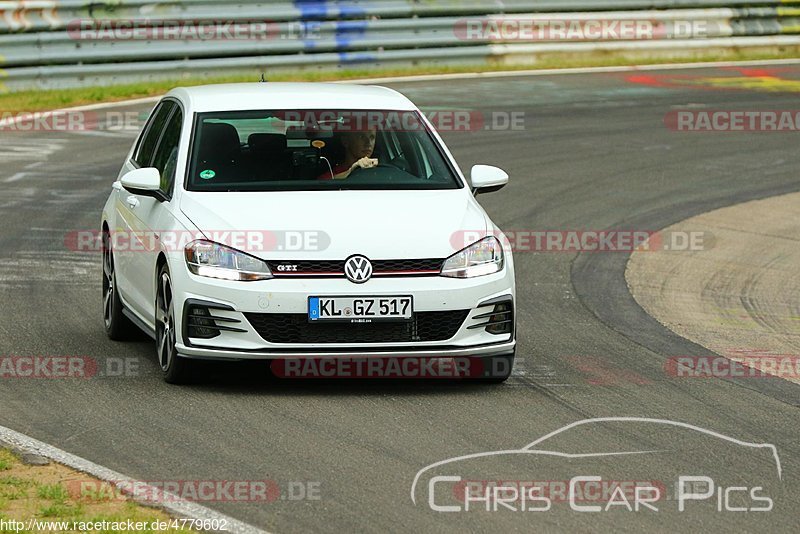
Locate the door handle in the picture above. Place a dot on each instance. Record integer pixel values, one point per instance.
(132, 201)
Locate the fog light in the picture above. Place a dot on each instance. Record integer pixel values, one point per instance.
(498, 321)
(198, 325)
(501, 320)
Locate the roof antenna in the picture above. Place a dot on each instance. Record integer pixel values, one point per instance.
(263, 78)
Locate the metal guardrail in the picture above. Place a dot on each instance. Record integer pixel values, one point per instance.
(42, 44)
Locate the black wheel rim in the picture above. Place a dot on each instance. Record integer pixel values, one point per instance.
(165, 324)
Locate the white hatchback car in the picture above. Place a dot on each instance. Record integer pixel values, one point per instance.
(287, 220)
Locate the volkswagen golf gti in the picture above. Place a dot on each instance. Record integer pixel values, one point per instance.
(284, 220)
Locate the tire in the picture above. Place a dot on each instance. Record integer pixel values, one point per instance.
(174, 368)
(497, 369)
(117, 326)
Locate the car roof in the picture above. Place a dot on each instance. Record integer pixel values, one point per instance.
(286, 95)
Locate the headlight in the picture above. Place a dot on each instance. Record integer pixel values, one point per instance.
(206, 258)
(478, 259)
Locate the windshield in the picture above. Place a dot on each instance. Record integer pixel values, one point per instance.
(300, 150)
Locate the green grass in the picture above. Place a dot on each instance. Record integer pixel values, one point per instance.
(53, 492)
(53, 501)
(12, 488)
(15, 482)
(6, 460)
(12, 494)
(55, 99)
(61, 511)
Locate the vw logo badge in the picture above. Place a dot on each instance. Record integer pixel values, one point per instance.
(358, 269)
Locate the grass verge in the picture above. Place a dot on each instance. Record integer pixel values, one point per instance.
(50, 493)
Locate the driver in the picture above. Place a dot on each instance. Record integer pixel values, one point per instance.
(358, 148)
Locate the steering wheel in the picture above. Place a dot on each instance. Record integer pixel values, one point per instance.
(361, 172)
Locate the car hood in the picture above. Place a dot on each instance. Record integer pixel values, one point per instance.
(376, 224)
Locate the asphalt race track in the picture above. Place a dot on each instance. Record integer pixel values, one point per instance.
(594, 153)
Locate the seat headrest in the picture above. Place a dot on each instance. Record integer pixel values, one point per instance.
(218, 138)
(268, 143)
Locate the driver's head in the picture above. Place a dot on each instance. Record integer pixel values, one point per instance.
(359, 145)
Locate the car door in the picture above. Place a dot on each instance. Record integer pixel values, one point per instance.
(134, 239)
(155, 216)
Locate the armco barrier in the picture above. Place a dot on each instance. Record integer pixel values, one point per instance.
(68, 43)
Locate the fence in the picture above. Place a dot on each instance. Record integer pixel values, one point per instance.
(50, 44)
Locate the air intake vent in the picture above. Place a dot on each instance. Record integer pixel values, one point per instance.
(498, 321)
(200, 322)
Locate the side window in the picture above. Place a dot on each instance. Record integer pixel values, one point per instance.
(147, 145)
(166, 156)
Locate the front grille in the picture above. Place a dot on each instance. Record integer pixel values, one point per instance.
(295, 328)
(336, 267)
(407, 265)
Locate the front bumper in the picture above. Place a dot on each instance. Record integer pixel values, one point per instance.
(475, 297)
(496, 349)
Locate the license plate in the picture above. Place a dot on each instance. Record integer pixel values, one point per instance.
(360, 309)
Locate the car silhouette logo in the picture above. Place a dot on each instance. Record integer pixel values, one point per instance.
(358, 269)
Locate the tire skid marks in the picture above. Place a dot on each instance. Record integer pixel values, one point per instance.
(526, 374)
(27, 268)
(47, 260)
(38, 191)
(14, 197)
(29, 149)
(575, 371)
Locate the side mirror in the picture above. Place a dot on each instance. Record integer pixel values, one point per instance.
(145, 182)
(487, 179)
